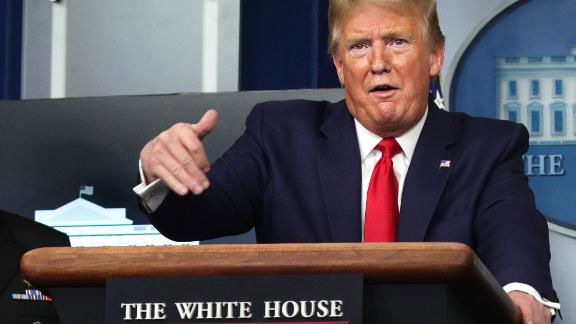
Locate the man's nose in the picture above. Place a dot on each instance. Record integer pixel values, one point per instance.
(379, 59)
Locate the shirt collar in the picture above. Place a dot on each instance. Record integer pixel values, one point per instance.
(407, 141)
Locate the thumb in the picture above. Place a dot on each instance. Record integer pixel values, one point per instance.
(207, 123)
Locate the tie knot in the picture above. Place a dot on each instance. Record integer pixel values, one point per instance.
(389, 147)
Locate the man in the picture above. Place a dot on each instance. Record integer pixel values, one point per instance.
(311, 171)
(19, 301)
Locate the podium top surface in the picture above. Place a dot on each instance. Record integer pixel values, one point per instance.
(378, 262)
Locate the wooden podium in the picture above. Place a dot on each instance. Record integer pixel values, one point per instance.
(405, 282)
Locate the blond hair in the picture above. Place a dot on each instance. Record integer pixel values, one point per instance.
(339, 9)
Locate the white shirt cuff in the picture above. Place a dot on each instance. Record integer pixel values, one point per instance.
(516, 286)
(152, 194)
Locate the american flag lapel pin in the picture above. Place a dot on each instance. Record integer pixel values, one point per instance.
(445, 164)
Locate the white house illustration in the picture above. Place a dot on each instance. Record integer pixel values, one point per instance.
(540, 92)
(88, 224)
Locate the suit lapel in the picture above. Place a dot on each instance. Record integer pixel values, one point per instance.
(338, 159)
(425, 180)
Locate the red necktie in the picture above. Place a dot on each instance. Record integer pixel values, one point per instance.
(382, 211)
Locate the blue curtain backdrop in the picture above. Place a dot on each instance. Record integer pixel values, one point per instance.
(10, 48)
(283, 45)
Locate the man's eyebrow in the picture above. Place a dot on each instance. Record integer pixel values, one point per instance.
(363, 38)
(358, 39)
(393, 34)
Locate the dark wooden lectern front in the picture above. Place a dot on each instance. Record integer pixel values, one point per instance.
(405, 282)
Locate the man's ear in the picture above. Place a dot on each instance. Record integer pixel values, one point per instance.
(339, 67)
(436, 60)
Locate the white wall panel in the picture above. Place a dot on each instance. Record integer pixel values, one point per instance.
(111, 47)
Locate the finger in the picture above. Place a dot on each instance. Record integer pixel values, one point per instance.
(184, 147)
(533, 317)
(206, 124)
(190, 176)
(537, 317)
(527, 316)
(527, 313)
(541, 313)
(523, 306)
(544, 314)
(189, 172)
(195, 149)
(167, 168)
(548, 319)
(172, 182)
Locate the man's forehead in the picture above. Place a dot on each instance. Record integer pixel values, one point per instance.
(374, 32)
(355, 27)
(374, 15)
(397, 8)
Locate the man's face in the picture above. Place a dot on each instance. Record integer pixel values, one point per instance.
(384, 60)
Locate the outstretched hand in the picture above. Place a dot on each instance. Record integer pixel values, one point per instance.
(177, 156)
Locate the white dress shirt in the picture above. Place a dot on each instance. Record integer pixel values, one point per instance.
(153, 194)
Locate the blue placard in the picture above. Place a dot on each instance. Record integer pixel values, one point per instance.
(521, 66)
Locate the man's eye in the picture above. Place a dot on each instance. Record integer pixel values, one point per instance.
(358, 46)
(399, 42)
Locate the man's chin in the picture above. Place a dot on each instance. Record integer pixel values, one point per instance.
(387, 112)
(387, 124)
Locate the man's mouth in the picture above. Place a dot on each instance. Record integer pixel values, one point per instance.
(383, 88)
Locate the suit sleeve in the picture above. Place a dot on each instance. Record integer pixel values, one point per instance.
(232, 202)
(510, 234)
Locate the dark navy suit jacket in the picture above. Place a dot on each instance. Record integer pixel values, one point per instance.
(17, 236)
(295, 175)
